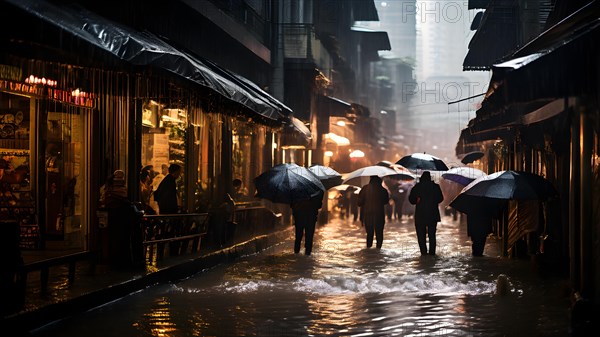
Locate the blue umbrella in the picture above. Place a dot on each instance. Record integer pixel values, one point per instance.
(463, 175)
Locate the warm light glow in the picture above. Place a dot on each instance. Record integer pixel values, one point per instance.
(339, 140)
(341, 123)
(357, 154)
(328, 153)
(43, 81)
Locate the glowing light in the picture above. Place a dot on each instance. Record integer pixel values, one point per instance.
(341, 123)
(339, 140)
(357, 154)
(328, 153)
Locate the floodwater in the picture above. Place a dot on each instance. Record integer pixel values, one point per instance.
(344, 289)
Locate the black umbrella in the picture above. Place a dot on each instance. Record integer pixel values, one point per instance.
(328, 176)
(471, 157)
(422, 161)
(494, 190)
(287, 183)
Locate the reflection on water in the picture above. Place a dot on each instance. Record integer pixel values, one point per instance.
(344, 289)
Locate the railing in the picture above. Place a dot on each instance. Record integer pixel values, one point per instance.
(301, 42)
(251, 219)
(178, 232)
(43, 267)
(247, 16)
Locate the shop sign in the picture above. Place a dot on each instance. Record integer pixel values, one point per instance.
(75, 97)
(10, 72)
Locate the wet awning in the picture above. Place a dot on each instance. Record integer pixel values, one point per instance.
(333, 106)
(372, 39)
(364, 10)
(146, 49)
(301, 128)
(295, 133)
(496, 36)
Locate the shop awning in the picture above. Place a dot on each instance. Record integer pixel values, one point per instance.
(364, 10)
(302, 129)
(333, 106)
(372, 39)
(496, 35)
(146, 49)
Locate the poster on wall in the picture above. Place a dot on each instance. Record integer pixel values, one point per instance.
(11, 124)
(160, 150)
(15, 185)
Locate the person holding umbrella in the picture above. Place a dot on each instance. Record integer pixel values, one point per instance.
(372, 200)
(426, 195)
(305, 214)
(479, 226)
(289, 183)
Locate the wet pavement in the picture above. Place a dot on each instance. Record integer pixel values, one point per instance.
(344, 288)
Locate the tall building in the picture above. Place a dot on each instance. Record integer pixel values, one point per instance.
(434, 35)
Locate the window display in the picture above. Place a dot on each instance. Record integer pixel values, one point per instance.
(16, 194)
(163, 141)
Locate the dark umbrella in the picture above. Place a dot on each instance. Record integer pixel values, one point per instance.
(494, 190)
(471, 157)
(422, 161)
(328, 176)
(287, 183)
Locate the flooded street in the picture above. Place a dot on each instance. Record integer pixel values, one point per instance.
(344, 289)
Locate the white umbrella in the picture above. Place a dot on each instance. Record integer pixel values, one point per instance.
(356, 177)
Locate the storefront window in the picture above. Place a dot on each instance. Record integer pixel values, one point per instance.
(201, 126)
(248, 147)
(16, 194)
(243, 162)
(65, 174)
(163, 144)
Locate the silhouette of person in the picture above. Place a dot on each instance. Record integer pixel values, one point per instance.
(372, 199)
(426, 195)
(479, 226)
(305, 214)
(166, 193)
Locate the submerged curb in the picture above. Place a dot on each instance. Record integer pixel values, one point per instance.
(33, 319)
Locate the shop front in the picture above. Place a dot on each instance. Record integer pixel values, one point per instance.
(43, 165)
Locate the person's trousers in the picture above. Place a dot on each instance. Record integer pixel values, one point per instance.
(308, 231)
(478, 238)
(424, 231)
(374, 230)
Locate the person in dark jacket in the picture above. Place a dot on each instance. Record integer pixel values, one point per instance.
(305, 214)
(372, 199)
(166, 193)
(426, 195)
(479, 226)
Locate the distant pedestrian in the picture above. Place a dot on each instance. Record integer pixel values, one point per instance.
(305, 214)
(166, 193)
(354, 204)
(345, 202)
(372, 199)
(426, 195)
